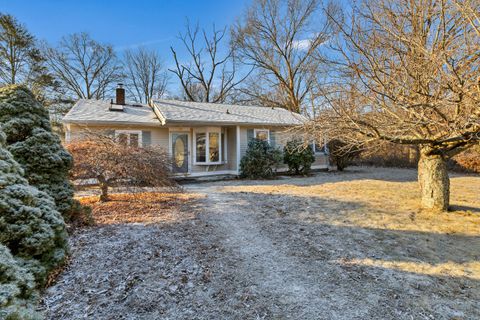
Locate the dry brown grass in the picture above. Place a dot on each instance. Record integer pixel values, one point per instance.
(146, 207)
(469, 270)
(388, 205)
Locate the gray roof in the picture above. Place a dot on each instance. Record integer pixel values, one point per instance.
(97, 111)
(172, 111)
(202, 112)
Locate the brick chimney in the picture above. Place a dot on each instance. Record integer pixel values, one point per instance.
(120, 94)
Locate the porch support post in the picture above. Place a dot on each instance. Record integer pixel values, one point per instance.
(68, 133)
(238, 150)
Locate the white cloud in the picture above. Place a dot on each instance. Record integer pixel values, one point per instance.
(303, 44)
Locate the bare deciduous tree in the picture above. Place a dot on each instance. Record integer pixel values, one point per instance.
(209, 76)
(282, 40)
(145, 75)
(86, 68)
(409, 75)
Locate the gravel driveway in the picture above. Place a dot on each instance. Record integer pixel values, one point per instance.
(254, 255)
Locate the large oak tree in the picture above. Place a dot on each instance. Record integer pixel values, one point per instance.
(408, 73)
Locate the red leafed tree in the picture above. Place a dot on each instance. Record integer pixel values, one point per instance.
(112, 163)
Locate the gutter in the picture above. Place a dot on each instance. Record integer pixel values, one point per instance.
(85, 122)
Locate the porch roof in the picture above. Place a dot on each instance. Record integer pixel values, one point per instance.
(175, 112)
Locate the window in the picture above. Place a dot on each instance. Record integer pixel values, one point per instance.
(214, 147)
(131, 138)
(122, 138)
(201, 143)
(210, 147)
(134, 140)
(262, 134)
(319, 147)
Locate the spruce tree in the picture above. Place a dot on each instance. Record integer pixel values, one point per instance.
(33, 144)
(17, 289)
(30, 226)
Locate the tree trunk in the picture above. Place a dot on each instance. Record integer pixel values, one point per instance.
(104, 188)
(434, 182)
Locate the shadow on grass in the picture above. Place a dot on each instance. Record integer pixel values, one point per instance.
(329, 220)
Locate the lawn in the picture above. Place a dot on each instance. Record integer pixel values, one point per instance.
(351, 245)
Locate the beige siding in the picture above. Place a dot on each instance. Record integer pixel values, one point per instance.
(320, 160)
(243, 141)
(281, 137)
(159, 135)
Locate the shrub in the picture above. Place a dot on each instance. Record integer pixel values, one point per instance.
(17, 289)
(111, 163)
(389, 154)
(31, 141)
(30, 226)
(469, 160)
(298, 157)
(260, 160)
(341, 154)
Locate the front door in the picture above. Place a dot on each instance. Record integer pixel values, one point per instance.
(180, 152)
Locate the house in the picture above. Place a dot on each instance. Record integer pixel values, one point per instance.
(203, 138)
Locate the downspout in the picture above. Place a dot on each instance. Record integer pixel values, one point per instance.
(238, 150)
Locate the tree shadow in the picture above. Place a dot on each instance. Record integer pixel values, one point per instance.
(464, 208)
(383, 271)
(415, 241)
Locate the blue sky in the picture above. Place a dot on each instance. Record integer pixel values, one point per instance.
(122, 23)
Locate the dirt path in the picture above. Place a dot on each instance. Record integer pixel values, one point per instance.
(284, 284)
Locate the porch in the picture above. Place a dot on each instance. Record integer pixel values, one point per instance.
(205, 151)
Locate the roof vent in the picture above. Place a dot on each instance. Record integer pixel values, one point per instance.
(228, 112)
(115, 107)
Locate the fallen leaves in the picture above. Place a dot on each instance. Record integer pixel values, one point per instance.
(145, 207)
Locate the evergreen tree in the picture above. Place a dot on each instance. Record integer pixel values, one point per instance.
(29, 224)
(298, 157)
(20, 58)
(260, 160)
(31, 141)
(17, 289)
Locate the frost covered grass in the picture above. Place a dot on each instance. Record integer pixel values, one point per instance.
(351, 245)
(379, 198)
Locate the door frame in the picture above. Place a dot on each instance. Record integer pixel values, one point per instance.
(184, 130)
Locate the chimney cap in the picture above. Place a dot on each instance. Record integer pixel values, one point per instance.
(119, 85)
